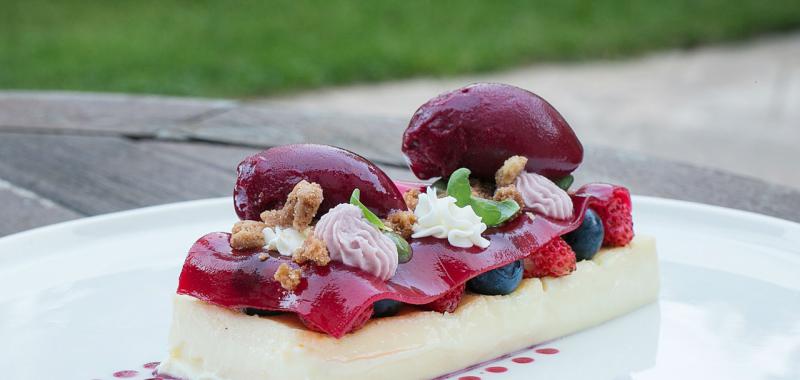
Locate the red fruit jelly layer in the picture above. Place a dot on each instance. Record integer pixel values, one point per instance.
(333, 296)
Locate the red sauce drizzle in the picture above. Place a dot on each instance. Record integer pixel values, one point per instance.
(497, 369)
(125, 374)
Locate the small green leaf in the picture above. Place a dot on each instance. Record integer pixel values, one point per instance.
(492, 212)
(565, 182)
(508, 208)
(458, 187)
(371, 217)
(488, 212)
(403, 248)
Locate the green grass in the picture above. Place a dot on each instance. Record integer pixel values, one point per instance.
(216, 48)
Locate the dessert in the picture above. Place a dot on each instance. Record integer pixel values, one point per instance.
(336, 272)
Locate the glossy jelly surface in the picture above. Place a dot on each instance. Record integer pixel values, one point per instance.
(481, 125)
(333, 296)
(264, 179)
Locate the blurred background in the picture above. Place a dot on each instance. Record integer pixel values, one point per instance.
(710, 81)
(714, 83)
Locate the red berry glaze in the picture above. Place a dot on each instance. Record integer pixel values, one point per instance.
(333, 298)
(616, 216)
(264, 179)
(481, 125)
(554, 259)
(448, 302)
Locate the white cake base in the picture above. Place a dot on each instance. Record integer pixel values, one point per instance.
(209, 342)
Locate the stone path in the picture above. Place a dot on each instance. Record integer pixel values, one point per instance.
(733, 107)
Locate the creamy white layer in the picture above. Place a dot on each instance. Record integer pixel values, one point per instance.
(208, 342)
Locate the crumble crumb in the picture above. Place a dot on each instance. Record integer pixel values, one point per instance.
(509, 192)
(480, 189)
(300, 208)
(263, 256)
(247, 234)
(288, 277)
(402, 222)
(304, 201)
(510, 170)
(272, 218)
(411, 197)
(313, 250)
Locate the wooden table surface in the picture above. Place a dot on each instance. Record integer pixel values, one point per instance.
(65, 156)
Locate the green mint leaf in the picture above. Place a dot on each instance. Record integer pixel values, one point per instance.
(487, 210)
(458, 187)
(369, 215)
(508, 208)
(403, 248)
(492, 212)
(565, 182)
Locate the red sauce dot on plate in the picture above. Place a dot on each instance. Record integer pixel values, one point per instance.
(547, 351)
(469, 378)
(151, 365)
(496, 369)
(123, 374)
(522, 360)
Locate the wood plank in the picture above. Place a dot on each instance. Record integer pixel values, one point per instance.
(23, 209)
(94, 175)
(227, 157)
(80, 175)
(110, 114)
(376, 138)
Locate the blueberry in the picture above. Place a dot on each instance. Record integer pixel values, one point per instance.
(386, 308)
(499, 281)
(587, 239)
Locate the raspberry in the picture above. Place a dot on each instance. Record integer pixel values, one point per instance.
(448, 302)
(616, 216)
(359, 322)
(554, 259)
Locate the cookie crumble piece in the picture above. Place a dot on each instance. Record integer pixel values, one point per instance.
(313, 250)
(247, 234)
(303, 201)
(272, 218)
(288, 277)
(301, 206)
(402, 223)
(411, 197)
(511, 168)
(263, 256)
(509, 192)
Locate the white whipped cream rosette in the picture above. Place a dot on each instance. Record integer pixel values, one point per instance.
(442, 219)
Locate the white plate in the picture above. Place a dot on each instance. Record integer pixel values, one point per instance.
(84, 299)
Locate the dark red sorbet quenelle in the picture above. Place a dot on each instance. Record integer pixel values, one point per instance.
(481, 125)
(333, 297)
(265, 178)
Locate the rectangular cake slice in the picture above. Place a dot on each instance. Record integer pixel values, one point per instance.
(209, 342)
